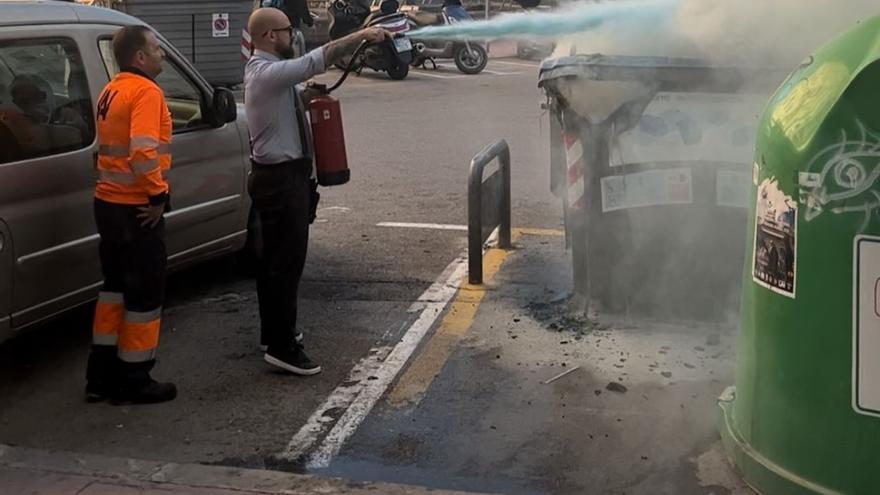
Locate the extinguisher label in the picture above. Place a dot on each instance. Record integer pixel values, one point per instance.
(866, 325)
(326, 114)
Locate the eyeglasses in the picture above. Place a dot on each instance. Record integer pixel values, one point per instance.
(289, 30)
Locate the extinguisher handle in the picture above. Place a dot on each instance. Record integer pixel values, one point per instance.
(351, 64)
(319, 88)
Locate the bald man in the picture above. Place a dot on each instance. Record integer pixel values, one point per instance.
(281, 185)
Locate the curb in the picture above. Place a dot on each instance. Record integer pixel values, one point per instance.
(128, 472)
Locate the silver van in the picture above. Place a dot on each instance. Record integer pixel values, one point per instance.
(55, 57)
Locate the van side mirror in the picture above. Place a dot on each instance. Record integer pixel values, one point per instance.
(223, 108)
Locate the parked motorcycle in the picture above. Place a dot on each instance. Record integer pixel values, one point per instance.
(469, 56)
(393, 57)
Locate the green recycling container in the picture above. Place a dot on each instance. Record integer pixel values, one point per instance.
(804, 416)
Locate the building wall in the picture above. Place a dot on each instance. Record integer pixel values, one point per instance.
(188, 26)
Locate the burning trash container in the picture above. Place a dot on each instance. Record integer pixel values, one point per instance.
(652, 158)
(804, 416)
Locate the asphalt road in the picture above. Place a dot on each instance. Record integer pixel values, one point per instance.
(409, 146)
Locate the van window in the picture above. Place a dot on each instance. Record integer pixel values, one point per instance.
(45, 104)
(183, 97)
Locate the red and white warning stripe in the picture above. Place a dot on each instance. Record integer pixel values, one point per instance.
(574, 155)
(245, 45)
(396, 26)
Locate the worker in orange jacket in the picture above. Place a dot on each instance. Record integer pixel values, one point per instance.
(131, 197)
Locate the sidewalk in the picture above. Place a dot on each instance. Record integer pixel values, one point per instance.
(29, 471)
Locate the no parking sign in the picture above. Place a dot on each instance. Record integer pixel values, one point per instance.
(220, 25)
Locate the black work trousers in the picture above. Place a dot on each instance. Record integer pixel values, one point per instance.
(282, 202)
(128, 313)
(133, 257)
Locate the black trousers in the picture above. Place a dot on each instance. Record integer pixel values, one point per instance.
(133, 257)
(283, 203)
(128, 313)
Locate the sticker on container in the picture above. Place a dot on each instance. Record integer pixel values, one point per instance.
(808, 179)
(732, 189)
(694, 127)
(774, 258)
(649, 188)
(866, 325)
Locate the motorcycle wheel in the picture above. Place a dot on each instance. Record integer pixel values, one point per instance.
(471, 64)
(398, 72)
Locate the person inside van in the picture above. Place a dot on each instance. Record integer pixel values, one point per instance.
(34, 97)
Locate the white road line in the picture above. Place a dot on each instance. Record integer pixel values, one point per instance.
(494, 73)
(518, 64)
(369, 380)
(434, 226)
(438, 76)
(443, 289)
(336, 402)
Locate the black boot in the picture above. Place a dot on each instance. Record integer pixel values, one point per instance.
(137, 387)
(101, 373)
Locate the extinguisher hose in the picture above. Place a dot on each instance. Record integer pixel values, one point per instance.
(351, 64)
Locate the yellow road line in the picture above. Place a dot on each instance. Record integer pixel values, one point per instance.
(413, 384)
(418, 377)
(540, 232)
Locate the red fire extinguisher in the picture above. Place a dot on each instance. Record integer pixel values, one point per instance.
(325, 111)
(331, 161)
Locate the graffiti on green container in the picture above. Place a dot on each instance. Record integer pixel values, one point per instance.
(843, 177)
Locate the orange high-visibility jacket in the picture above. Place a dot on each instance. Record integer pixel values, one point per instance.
(134, 141)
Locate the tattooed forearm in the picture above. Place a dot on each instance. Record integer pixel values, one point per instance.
(336, 50)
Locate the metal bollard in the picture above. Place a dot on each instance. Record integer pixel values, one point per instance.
(488, 205)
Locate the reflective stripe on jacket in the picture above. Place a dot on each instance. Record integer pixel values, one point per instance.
(134, 141)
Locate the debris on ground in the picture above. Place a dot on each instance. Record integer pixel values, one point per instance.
(564, 373)
(667, 374)
(562, 316)
(616, 387)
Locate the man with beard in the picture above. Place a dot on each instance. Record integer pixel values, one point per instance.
(281, 185)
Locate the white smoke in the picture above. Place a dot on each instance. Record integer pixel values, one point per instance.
(749, 32)
(783, 31)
